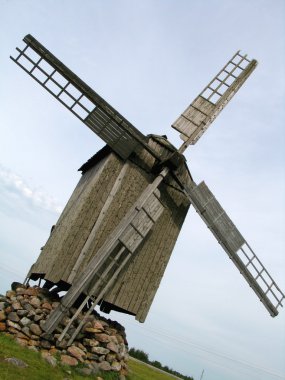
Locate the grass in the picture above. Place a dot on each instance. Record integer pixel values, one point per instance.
(37, 367)
(40, 369)
(140, 371)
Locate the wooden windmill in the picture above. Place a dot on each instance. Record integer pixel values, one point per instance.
(115, 236)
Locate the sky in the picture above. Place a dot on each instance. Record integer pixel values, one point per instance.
(149, 59)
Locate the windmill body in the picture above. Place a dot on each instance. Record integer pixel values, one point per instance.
(106, 191)
(114, 238)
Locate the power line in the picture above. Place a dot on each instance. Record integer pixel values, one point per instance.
(211, 351)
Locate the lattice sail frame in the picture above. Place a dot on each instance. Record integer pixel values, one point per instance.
(196, 119)
(80, 99)
(236, 247)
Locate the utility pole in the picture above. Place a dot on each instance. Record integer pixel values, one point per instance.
(202, 375)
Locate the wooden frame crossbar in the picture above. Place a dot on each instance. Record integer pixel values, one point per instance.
(258, 270)
(227, 79)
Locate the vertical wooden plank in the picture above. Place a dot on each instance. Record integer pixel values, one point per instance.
(98, 222)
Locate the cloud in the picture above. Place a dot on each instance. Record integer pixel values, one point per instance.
(15, 186)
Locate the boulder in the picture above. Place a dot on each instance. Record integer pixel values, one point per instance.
(68, 360)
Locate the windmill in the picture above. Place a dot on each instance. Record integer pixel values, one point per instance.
(114, 238)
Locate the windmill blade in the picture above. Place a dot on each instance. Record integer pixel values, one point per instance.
(236, 247)
(80, 99)
(196, 119)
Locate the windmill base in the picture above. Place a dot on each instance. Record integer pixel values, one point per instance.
(62, 286)
(101, 345)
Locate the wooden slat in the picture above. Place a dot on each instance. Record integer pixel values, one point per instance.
(197, 117)
(232, 241)
(87, 245)
(134, 137)
(147, 267)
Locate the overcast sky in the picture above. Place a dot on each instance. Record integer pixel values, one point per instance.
(150, 59)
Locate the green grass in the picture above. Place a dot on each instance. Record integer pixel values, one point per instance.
(37, 367)
(140, 371)
(40, 369)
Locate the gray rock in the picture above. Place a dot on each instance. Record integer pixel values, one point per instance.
(31, 314)
(91, 356)
(27, 306)
(16, 305)
(35, 302)
(32, 348)
(51, 360)
(85, 371)
(26, 331)
(13, 324)
(38, 317)
(95, 368)
(22, 312)
(3, 305)
(62, 344)
(76, 352)
(113, 347)
(17, 362)
(13, 316)
(45, 344)
(90, 342)
(116, 366)
(100, 350)
(42, 323)
(49, 337)
(35, 329)
(10, 294)
(105, 366)
(35, 337)
(25, 321)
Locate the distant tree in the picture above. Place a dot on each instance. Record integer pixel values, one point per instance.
(156, 364)
(143, 356)
(139, 354)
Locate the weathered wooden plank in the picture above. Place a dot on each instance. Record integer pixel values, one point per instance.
(216, 217)
(60, 251)
(87, 213)
(203, 105)
(130, 292)
(132, 184)
(160, 265)
(131, 239)
(98, 222)
(152, 278)
(148, 268)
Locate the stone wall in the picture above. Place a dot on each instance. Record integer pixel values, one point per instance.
(101, 344)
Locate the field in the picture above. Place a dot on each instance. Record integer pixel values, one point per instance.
(141, 371)
(39, 369)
